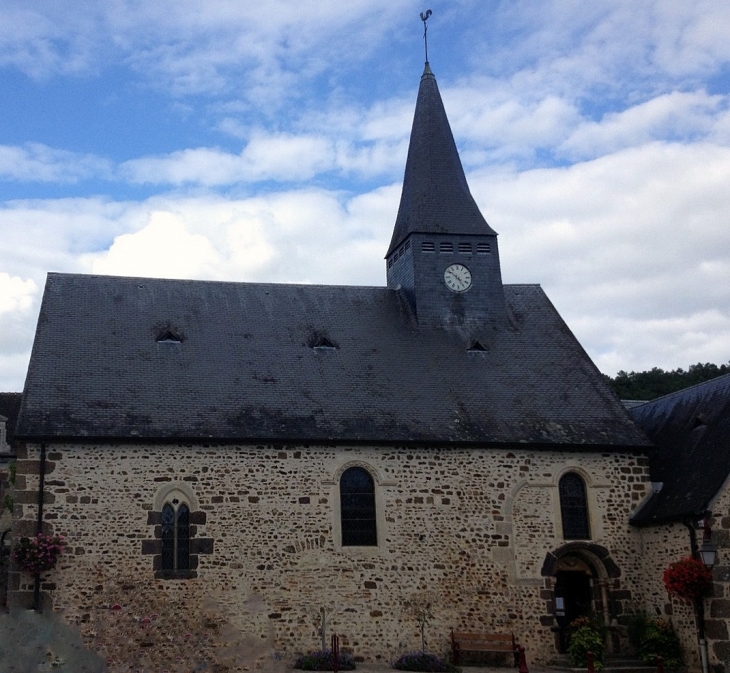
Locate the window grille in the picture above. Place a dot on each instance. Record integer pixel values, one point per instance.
(574, 507)
(465, 248)
(357, 508)
(428, 246)
(446, 247)
(483, 249)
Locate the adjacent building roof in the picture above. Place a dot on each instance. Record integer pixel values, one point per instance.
(9, 407)
(691, 429)
(146, 358)
(435, 197)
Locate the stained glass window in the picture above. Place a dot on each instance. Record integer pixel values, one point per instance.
(357, 508)
(574, 507)
(175, 538)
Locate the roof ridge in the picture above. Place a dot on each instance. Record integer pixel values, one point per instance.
(248, 283)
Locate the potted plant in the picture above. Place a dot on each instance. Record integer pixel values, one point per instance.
(38, 554)
(586, 635)
(687, 579)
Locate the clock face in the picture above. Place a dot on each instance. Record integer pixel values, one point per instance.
(457, 278)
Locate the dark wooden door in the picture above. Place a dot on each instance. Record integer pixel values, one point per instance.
(572, 600)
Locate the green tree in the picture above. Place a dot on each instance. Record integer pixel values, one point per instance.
(656, 382)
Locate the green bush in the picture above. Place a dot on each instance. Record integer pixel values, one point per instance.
(659, 639)
(653, 637)
(636, 626)
(583, 640)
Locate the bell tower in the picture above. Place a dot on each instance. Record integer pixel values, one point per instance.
(443, 255)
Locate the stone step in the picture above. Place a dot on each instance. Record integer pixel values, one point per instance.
(627, 665)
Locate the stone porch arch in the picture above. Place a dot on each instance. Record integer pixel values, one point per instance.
(590, 568)
(593, 554)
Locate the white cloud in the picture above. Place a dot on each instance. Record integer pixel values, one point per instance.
(19, 301)
(48, 40)
(207, 166)
(610, 49)
(282, 157)
(285, 156)
(34, 162)
(301, 236)
(16, 294)
(675, 115)
(189, 47)
(492, 118)
(623, 245)
(162, 249)
(668, 343)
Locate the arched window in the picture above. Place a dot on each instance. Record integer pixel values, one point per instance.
(175, 537)
(574, 507)
(357, 508)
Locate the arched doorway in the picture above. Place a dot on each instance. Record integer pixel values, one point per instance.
(578, 574)
(573, 592)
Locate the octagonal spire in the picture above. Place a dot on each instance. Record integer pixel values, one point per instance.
(435, 197)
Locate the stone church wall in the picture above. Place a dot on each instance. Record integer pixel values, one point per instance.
(663, 545)
(464, 531)
(718, 605)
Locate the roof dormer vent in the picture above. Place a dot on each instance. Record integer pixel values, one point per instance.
(700, 421)
(476, 347)
(319, 340)
(166, 334)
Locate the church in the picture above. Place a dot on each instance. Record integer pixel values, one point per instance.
(250, 467)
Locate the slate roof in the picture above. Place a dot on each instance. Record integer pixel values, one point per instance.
(435, 197)
(248, 368)
(691, 429)
(9, 407)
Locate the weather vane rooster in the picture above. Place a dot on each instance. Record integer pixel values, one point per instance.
(424, 17)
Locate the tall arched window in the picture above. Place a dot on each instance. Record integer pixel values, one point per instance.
(574, 507)
(175, 537)
(357, 508)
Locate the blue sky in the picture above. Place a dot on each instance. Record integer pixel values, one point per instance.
(266, 143)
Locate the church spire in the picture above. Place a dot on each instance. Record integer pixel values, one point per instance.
(435, 197)
(443, 257)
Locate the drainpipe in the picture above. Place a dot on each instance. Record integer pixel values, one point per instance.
(699, 602)
(39, 524)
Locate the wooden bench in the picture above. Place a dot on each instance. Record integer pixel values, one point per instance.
(482, 642)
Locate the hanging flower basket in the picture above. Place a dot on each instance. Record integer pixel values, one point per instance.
(688, 578)
(38, 554)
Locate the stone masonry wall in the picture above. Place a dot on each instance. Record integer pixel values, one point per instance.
(464, 531)
(717, 606)
(663, 545)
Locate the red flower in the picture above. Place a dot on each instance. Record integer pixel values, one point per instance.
(38, 554)
(688, 578)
